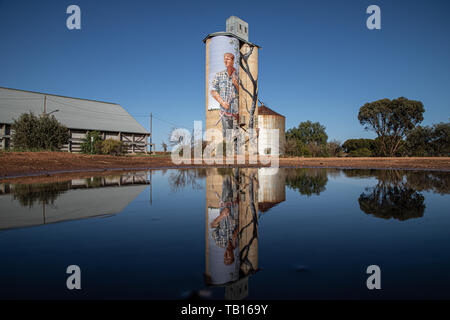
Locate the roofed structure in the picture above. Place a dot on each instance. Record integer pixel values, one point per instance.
(79, 115)
(269, 120)
(263, 110)
(74, 113)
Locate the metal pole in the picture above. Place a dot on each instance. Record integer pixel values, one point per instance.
(151, 134)
(151, 172)
(45, 105)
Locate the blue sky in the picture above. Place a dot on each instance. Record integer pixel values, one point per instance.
(318, 61)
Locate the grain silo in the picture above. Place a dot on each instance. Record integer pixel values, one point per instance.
(231, 79)
(267, 142)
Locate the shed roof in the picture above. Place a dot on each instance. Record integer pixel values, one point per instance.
(74, 113)
(263, 110)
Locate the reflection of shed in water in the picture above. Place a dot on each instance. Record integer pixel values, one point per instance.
(271, 190)
(79, 199)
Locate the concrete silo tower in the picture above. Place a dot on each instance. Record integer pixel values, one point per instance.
(231, 78)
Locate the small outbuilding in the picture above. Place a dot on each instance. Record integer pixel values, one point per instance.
(269, 119)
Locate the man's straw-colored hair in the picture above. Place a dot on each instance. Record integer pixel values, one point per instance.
(229, 54)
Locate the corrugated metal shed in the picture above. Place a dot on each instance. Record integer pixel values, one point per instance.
(74, 113)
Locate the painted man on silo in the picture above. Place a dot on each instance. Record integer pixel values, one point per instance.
(224, 81)
(225, 88)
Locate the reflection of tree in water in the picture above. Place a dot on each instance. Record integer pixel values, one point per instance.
(434, 181)
(393, 196)
(46, 193)
(182, 178)
(437, 182)
(95, 182)
(392, 201)
(360, 173)
(307, 181)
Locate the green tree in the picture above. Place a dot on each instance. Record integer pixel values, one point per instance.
(308, 132)
(429, 141)
(441, 139)
(308, 139)
(92, 143)
(53, 135)
(352, 145)
(295, 147)
(391, 120)
(39, 133)
(418, 142)
(112, 147)
(25, 132)
(361, 152)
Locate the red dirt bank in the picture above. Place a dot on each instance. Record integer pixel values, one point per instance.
(44, 163)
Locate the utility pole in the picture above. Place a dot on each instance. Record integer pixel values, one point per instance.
(151, 133)
(45, 105)
(151, 172)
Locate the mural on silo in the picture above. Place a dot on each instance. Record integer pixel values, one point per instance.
(250, 78)
(224, 80)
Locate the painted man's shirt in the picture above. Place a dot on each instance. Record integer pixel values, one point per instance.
(223, 84)
(224, 232)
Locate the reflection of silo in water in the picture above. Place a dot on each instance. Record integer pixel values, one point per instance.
(222, 217)
(237, 290)
(217, 45)
(271, 187)
(244, 203)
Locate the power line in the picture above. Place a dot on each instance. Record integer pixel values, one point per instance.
(171, 123)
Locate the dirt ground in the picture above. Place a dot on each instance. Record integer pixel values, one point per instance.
(15, 164)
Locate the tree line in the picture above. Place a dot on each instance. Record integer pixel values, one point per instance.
(395, 122)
